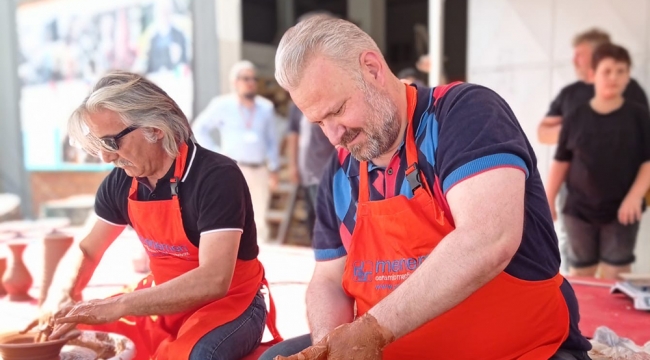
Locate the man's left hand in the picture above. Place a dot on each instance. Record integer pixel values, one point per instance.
(630, 210)
(92, 312)
(362, 339)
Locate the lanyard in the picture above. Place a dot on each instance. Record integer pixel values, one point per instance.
(248, 121)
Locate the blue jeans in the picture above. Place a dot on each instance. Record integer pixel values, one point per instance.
(300, 343)
(236, 339)
(287, 347)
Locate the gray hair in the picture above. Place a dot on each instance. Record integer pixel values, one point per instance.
(339, 40)
(236, 69)
(139, 102)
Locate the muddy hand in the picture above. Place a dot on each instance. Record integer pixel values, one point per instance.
(362, 339)
(47, 313)
(42, 325)
(29, 327)
(93, 312)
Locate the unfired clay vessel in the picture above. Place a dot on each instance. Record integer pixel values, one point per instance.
(56, 244)
(15, 346)
(17, 280)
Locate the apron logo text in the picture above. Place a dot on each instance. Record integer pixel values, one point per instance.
(386, 270)
(155, 248)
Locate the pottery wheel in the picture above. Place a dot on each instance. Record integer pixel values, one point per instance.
(74, 352)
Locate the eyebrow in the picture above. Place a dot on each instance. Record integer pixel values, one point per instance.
(114, 135)
(109, 136)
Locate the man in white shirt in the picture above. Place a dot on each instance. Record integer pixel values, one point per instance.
(246, 127)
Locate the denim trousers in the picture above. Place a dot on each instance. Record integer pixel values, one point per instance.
(236, 339)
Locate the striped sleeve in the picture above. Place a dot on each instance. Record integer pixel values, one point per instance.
(333, 208)
(478, 133)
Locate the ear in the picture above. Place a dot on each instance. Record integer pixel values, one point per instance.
(158, 133)
(372, 65)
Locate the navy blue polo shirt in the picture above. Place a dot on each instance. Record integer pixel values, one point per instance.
(460, 131)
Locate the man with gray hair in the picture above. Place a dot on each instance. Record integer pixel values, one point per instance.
(245, 122)
(192, 212)
(420, 240)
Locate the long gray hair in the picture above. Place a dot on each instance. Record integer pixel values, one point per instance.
(139, 102)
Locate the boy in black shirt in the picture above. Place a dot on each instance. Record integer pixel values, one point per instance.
(604, 155)
(572, 96)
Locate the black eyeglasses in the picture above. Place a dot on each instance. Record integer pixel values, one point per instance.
(109, 143)
(248, 78)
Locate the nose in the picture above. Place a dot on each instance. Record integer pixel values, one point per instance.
(108, 157)
(333, 131)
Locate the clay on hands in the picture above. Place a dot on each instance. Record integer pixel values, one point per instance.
(45, 330)
(44, 324)
(362, 339)
(91, 312)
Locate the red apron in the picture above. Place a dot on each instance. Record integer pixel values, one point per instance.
(508, 318)
(160, 228)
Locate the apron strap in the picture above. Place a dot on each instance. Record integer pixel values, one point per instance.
(271, 318)
(180, 160)
(178, 172)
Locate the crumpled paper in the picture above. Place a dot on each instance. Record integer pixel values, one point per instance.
(607, 345)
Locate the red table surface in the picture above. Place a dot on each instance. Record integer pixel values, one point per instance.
(616, 311)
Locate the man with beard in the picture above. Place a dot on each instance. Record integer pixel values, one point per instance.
(420, 240)
(245, 123)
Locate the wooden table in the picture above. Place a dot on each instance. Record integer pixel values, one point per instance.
(600, 308)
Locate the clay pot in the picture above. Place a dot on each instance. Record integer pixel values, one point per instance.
(15, 346)
(56, 244)
(17, 280)
(3, 267)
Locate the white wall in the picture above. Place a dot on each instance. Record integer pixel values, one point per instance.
(522, 50)
(228, 21)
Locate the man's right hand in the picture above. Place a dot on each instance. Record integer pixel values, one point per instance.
(48, 313)
(362, 339)
(548, 130)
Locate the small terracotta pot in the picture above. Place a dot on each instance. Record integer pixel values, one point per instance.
(55, 246)
(15, 346)
(17, 280)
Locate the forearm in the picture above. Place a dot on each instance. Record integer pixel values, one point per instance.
(461, 264)
(185, 292)
(642, 182)
(327, 307)
(556, 176)
(69, 281)
(549, 134)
